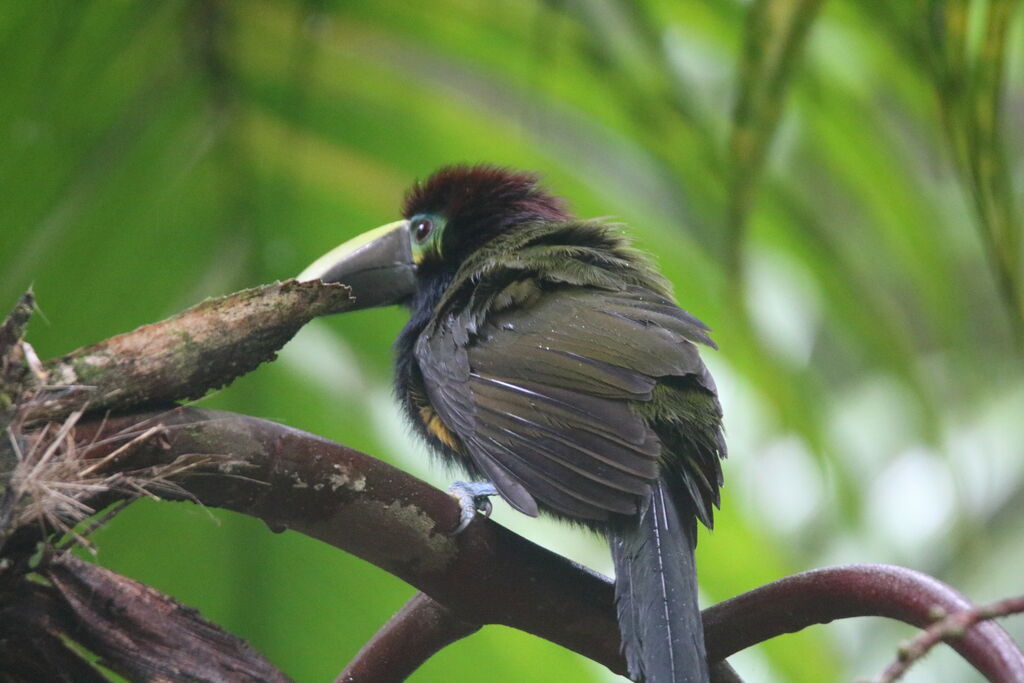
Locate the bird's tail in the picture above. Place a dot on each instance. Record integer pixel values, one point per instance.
(656, 595)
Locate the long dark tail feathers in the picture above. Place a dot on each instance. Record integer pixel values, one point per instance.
(656, 595)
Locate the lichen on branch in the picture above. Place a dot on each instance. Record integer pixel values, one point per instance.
(183, 357)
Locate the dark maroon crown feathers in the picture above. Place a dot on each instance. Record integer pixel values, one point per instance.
(480, 201)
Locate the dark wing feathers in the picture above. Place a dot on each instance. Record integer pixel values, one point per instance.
(536, 393)
(498, 472)
(603, 416)
(555, 407)
(591, 453)
(566, 489)
(504, 357)
(446, 377)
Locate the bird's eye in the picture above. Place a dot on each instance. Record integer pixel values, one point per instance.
(421, 228)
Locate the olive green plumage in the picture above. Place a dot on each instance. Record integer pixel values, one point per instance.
(546, 355)
(560, 341)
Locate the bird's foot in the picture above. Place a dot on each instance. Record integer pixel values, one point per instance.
(473, 497)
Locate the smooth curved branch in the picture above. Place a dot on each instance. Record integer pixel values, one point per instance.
(950, 629)
(291, 479)
(421, 629)
(412, 636)
(824, 595)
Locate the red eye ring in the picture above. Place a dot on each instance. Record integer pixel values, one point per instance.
(421, 228)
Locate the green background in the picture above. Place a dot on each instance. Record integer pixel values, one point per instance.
(832, 187)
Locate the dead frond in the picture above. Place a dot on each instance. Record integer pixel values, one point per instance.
(58, 483)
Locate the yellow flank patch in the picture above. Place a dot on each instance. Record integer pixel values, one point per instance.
(434, 425)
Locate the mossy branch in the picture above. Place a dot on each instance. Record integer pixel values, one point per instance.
(183, 357)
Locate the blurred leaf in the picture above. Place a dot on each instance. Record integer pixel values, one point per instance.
(774, 36)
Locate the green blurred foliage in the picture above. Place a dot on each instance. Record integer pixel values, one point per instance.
(833, 187)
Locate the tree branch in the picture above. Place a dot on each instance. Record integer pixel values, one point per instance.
(185, 356)
(823, 595)
(294, 480)
(143, 634)
(361, 505)
(951, 629)
(412, 636)
(291, 479)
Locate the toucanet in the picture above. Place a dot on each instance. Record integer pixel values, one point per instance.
(546, 355)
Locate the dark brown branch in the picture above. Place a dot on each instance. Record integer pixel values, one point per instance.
(418, 631)
(144, 635)
(31, 645)
(950, 629)
(823, 595)
(294, 480)
(347, 499)
(412, 636)
(354, 502)
(130, 628)
(183, 357)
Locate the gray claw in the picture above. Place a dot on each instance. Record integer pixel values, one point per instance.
(473, 497)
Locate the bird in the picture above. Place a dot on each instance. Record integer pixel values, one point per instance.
(546, 357)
